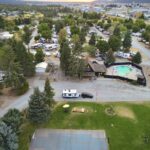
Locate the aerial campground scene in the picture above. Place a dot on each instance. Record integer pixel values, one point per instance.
(74, 74)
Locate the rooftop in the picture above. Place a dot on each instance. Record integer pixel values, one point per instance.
(53, 139)
(97, 67)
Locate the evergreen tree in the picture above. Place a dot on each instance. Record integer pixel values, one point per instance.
(14, 119)
(2, 23)
(39, 56)
(13, 72)
(114, 43)
(24, 58)
(137, 58)
(77, 48)
(82, 35)
(38, 111)
(8, 138)
(62, 36)
(117, 31)
(127, 41)
(75, 30)
(27, 35)
(92, 40)
(65, 57)
(49, 93)
(110, 57)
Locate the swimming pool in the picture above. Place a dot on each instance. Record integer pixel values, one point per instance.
(122, 70)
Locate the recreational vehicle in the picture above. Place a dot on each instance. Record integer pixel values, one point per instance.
(70, 93)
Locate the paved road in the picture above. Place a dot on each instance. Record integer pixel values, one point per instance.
(142, 49)
(104, 90)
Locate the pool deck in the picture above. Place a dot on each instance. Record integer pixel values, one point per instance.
(133, 74)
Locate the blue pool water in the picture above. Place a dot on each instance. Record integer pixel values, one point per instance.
(122, 70)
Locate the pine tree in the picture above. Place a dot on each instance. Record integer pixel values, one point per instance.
(117, 31)
(8, 138)
(92, 40)
(14, 119)
(24, 58)
(137, 58)
(48, 90)
(38, 111)
(114, 43)
(110, 57)
(127, 41)
(39, 56)
(65, 52)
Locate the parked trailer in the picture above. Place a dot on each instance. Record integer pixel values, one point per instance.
(70, 93)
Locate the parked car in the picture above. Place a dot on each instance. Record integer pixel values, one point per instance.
(86, 95)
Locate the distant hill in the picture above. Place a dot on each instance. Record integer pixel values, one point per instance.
(11, 1)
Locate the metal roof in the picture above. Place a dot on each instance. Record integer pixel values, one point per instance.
(53, 139)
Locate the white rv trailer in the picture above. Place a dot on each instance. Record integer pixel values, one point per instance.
(70, 93)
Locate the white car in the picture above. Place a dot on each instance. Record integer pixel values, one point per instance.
(70, 93)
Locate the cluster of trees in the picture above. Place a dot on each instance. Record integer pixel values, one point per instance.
(17, 64)
(70, 61)
(40, 104)
(8, 25)
(22, 20)
(91, 15)
(116, 42)
(45, 30)
(105, 24)
(12, 25)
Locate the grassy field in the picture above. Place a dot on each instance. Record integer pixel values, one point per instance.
(127, 129)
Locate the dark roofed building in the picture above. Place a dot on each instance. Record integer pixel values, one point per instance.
(96, 67)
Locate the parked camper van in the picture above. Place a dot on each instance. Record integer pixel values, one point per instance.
(70, 93)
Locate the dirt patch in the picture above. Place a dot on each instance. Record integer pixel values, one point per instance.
(125, 112)
(79, 110)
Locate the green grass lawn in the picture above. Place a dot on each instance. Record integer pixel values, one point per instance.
(126, 129)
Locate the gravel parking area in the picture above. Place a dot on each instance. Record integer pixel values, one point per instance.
(103, 89)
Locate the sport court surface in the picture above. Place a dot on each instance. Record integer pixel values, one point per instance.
(53, 139)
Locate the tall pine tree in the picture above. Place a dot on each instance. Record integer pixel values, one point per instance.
(65, 52)
(49, 93)
(92, 41)
(127, 41)
(38, 111)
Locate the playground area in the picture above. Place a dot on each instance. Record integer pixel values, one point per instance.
(125, 71)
